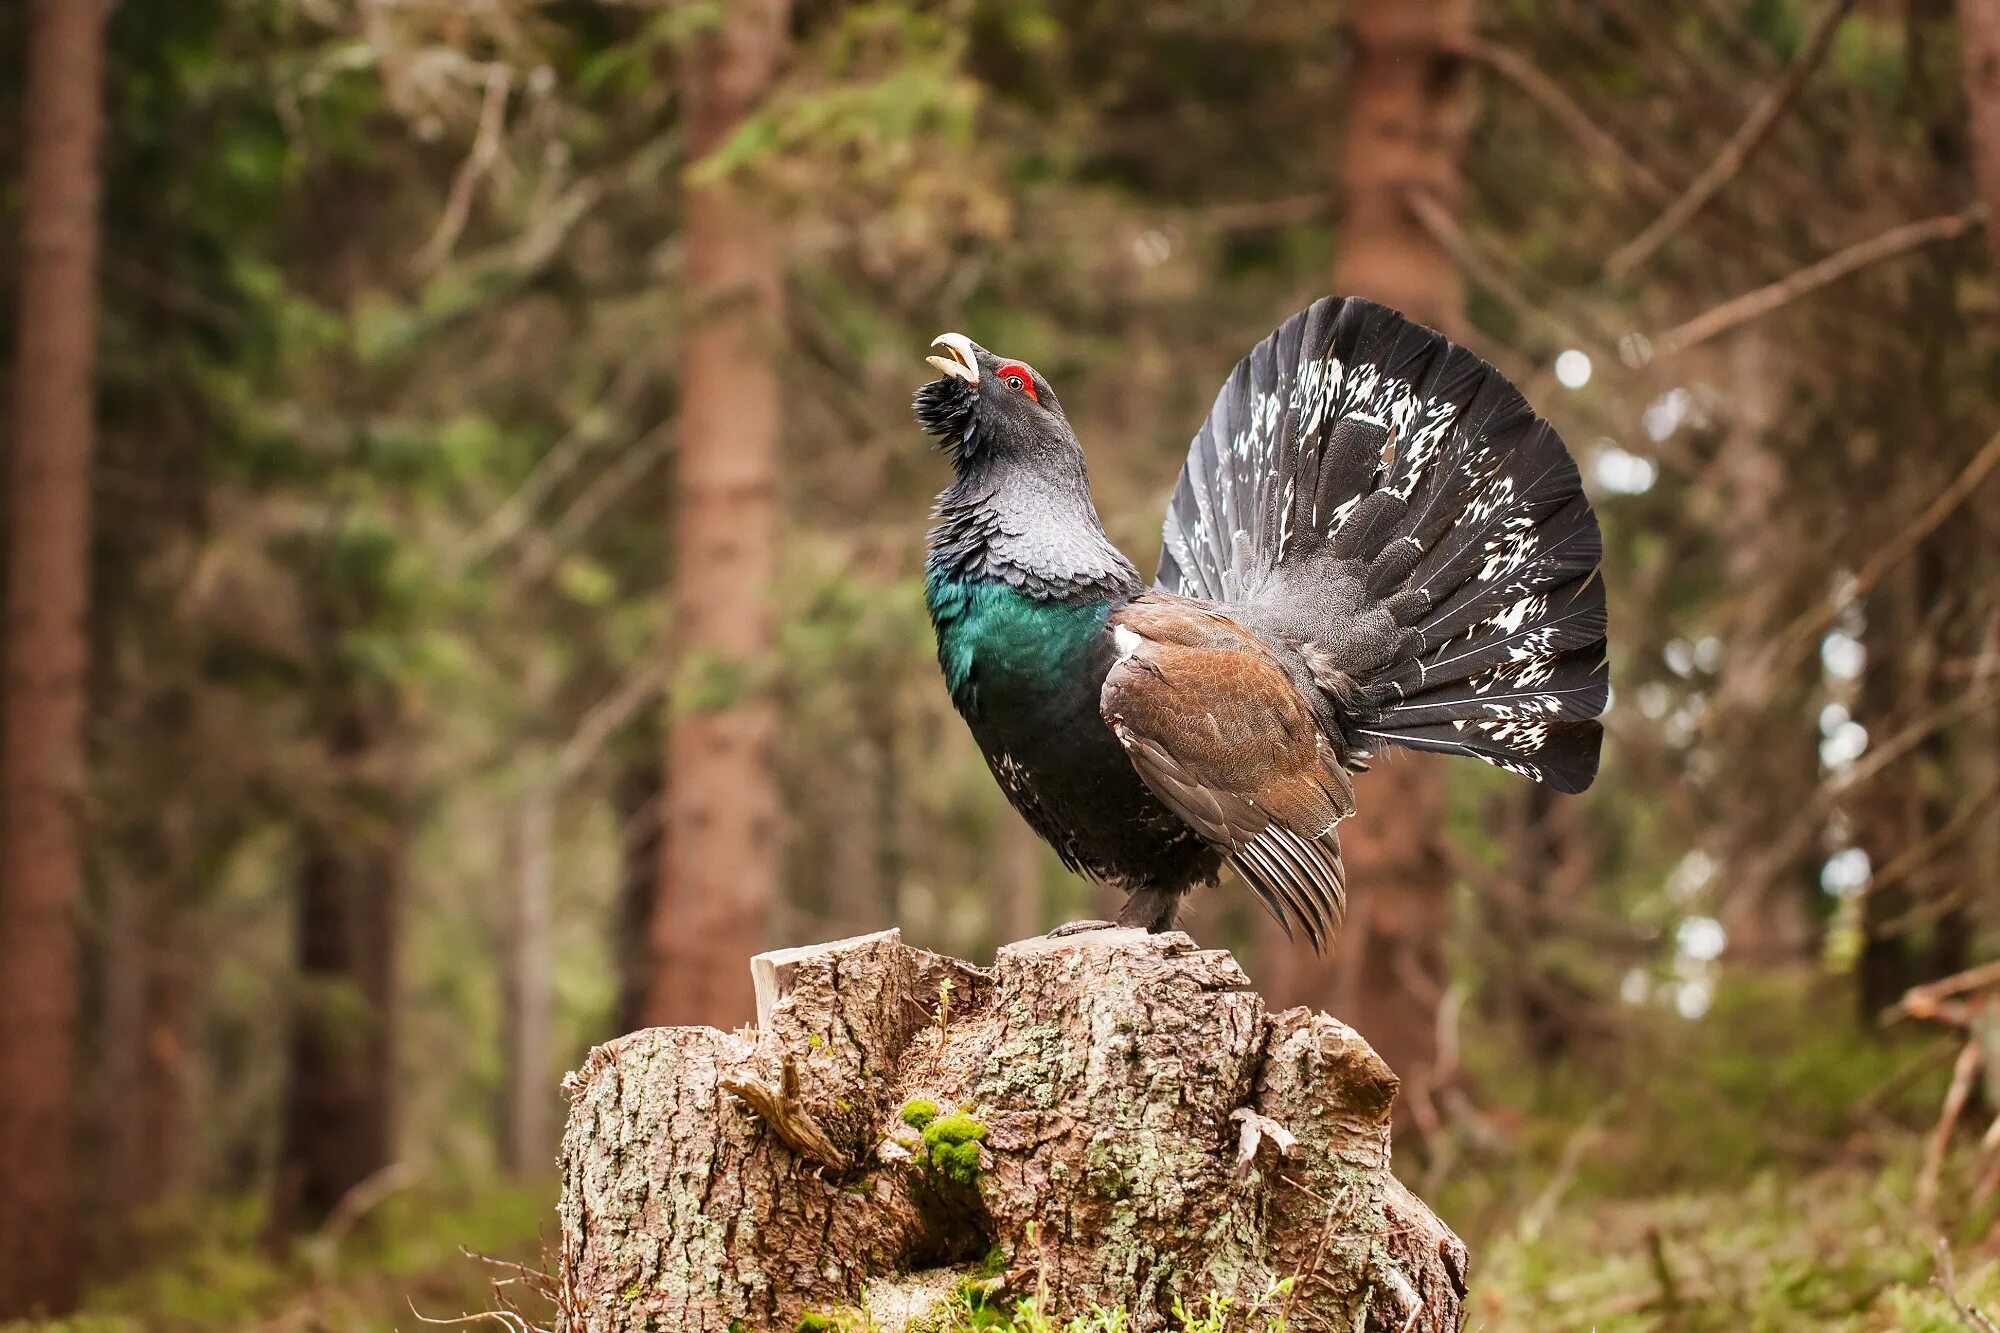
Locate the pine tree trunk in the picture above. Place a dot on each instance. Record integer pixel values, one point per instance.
(1107, 1082)
(1979, 33)
(1020, 862)
(339, 1111)
(637, 803)
(138, 1155)
(42, 715)
(1405, 128)
(528, 1114)
(1765, 919)
(720, 865)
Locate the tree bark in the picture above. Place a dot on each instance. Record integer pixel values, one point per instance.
(637, 803)
(1406, 128)
(1019, 866)
(1979, 33)
(529, 1111)
(1406, 125)
(1108, 1082)
(720, 863)
(339, 1111)
(42, 717)
(138, 1148)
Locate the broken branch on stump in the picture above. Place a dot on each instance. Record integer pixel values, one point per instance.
(1111, 1118)
(782, 1110)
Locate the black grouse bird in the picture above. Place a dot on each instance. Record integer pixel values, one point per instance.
(1375, 541)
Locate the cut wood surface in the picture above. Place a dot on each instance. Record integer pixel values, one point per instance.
(1110, 1117)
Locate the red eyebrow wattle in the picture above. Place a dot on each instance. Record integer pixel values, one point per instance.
(1027, 378)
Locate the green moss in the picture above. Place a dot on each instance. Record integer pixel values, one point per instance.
(918, 1112)
(951, 1146)
(814, 1041)
(834, 1321)
(958, 1128)
(631, 1292)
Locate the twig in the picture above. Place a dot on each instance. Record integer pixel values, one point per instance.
(1663, 1273)
(1485, 270)
(1922, 1001)
(1989, 1176)
(608, 717)
(1810, 623)
(485, 148)
(781, 1109)
(1778, 850)
(1756, 127)
(1913, 858)
(363, 1199)
(1334, 1217)
(1945, 1279)
(1940, 1140)
(590, 429)
(507, 1318)
(1756, 304)
(1549, 96)
(1538, 1213)
(614, 483)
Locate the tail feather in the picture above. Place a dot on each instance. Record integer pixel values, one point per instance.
(1390, 504)
(1562, 620)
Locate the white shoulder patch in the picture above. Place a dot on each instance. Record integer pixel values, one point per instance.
(1127, 640)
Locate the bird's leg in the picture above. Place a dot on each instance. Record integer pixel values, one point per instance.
(1153, 910)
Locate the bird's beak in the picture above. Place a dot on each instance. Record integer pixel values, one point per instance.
(959, 365)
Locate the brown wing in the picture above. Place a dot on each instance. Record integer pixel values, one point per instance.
(1218, 731)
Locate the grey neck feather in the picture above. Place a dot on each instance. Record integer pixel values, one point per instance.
(1031, 527)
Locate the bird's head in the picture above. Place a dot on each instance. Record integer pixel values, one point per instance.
(984, 407)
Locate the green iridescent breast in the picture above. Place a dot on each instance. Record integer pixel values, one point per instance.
(995, 640)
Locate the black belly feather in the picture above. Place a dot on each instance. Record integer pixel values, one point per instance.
(1064, 770)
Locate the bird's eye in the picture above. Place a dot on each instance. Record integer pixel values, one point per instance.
(1018, 379)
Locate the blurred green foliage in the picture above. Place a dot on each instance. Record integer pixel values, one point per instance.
(363, 446)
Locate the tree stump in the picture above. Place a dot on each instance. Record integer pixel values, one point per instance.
(1110, 1117)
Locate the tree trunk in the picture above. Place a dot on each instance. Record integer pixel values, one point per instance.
(1758, 697)
(637, 803)
(528, 1113)
(720, 864)
(42, 716)
(1020, 862)
(138, 1154)
(1405, 128)
(1132, 1126)
(339, 1112)
(1979, 32)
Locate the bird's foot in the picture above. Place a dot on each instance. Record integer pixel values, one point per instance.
(1068, 928)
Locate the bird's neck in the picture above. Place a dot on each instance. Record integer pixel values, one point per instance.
(1034, 529)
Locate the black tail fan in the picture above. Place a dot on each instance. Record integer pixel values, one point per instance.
(1389, 503)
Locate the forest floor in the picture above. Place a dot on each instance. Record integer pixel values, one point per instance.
(1835, 1249)
(1753, 1171)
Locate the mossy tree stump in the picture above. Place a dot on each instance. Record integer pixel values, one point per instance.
(1110, 1117)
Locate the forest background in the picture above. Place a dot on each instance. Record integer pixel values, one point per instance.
(463, 549)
